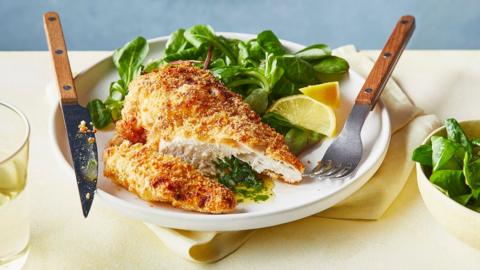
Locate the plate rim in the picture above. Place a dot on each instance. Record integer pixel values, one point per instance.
(143, 213)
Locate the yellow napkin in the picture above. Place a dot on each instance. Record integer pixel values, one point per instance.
(370, 202)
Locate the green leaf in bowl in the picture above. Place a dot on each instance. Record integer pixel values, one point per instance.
(452, 182)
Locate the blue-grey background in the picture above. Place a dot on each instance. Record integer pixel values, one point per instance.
(105, 25)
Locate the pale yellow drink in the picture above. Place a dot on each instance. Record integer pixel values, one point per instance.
(14, 218)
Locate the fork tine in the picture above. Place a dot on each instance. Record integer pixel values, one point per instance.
(342, 173)
(322, 167)
(335, 169)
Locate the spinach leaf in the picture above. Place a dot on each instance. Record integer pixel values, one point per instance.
(273, 71)
(217, 63)
(176, 43)
(118, 90)
(255, 51)
(199, 35)
(263, 78)
(463, 199)
(99, 114)
(229, 73)
(128, 61)
(284, 88)
(331, 68)
(203, 35)
(471, 170)
(456, 134)
(151, 66)
(314, 52)
(269, 43)
(474, 205)
(298, 70)
(232, 172)
(423, 155)
(443, 154)
(187, 54)
(114, 102)
(243, 53)
(451, 182)
(129, 58)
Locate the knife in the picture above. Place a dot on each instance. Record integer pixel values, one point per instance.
(81, 138)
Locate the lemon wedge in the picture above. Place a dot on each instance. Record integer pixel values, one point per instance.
(326, 93)
(306, 112)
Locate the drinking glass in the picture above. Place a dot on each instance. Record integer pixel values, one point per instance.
(14, 218)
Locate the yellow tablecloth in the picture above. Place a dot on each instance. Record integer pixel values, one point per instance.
(442, 83)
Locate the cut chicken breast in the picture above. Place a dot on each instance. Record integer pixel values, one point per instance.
(164, 178)
(184, 111)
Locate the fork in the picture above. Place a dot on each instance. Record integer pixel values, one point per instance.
(345, 153)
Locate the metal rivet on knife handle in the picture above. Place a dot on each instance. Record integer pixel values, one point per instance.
(387, 60)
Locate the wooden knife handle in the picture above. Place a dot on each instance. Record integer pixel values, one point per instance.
(58, 50)
(381, 71)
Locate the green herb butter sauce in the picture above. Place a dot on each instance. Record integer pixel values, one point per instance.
(246, 195)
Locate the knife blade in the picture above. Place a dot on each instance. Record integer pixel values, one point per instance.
(80, 132)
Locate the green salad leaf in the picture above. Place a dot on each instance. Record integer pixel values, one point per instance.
(456, 134)
(298, 70)
(199, 35)
(260, 69)
(203, 35)
(454, 163)
(177, 42)
(128, 61)
(423, 155)
(99, 114)
(452, 182)
(314, 52)
(331, 68)
(269, 43)
(443, 154)
(471, 170)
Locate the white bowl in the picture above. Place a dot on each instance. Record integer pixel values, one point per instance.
(459, 220)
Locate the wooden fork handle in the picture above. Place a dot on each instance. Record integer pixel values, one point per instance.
(58, 50)
(381, 71)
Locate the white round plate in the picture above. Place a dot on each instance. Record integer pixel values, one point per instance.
(290, 202)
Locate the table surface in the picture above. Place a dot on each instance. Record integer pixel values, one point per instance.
(445, 83)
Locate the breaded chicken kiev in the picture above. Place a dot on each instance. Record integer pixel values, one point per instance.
(184, 111)
(164, 178)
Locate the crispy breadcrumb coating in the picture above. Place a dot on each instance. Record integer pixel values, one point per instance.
(163, 178)
(183, 100)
